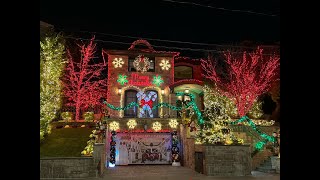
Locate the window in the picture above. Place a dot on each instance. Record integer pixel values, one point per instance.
(132, 69)
(130, 96)
(183, 72)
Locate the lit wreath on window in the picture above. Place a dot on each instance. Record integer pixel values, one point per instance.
(141, 63)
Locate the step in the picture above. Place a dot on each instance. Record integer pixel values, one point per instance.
(267, 170)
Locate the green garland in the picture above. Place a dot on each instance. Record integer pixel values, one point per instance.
(266, 137)
(168, 106)
(121, 108)
(176, 108)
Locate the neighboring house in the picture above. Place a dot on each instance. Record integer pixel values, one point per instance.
(45, 28)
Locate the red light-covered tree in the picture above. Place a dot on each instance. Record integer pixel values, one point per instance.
(83, 85)
(248, 76)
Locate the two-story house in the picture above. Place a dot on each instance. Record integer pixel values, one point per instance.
(141, 75)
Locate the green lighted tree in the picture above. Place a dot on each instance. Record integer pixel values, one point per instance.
(52, 61)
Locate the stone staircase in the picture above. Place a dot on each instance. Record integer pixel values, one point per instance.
(266, 167)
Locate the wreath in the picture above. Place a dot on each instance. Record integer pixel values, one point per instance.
(141, 63)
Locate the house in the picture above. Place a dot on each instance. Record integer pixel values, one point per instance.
(140, 79)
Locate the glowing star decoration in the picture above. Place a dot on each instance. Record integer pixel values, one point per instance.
(141, 64)
(165, 64)
(132, 124)
(122, 79)
(156, 126)
(117, 62)
(157, 80)
(173, 123)
(114, 126)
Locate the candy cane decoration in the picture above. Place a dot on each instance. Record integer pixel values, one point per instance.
(146, 102)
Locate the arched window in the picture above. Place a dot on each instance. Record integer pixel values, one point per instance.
(130, 96)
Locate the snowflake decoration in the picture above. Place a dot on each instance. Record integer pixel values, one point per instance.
(141, 63)
(157, 80)
(132, 123)
(114, 126)
(156, 126)
(173, 123)
(165, 65)
(117, 62)
(122, 79)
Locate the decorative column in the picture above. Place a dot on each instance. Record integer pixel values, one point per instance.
(175, 149)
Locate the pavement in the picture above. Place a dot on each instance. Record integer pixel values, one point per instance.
(168, 172)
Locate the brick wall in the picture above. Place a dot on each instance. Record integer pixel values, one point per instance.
(82, 167)
(227, 160)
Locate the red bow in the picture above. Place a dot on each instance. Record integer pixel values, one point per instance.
(143, 102)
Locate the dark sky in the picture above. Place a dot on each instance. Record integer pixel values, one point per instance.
(159, 19)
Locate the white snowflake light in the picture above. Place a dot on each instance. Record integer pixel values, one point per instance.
(117, 62)
(114, 126)
(156, 126)
(132, 123)
(173, 123)
(165, 64)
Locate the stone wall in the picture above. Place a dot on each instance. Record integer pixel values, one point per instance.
(275, 163)
(80, 167)
(227, 160)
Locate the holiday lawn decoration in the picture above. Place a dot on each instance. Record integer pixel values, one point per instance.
(141, 63)
(146, 102)
(83, 85)
(248, 76)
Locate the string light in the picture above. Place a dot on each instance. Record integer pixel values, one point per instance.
(173, 123)
(80, 87)
(117, 62)
(156, 126)
(114, 126)
(132, 123)
(122, 79)
(141, 60)
(165, 64)
(52, 63)
(157, 80)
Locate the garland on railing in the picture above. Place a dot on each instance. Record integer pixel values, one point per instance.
(121, 108)
(266, 137)
(176, 108)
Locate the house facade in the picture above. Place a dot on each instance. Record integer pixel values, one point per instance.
(143, 107)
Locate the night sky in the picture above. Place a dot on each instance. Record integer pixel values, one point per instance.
(160, 19)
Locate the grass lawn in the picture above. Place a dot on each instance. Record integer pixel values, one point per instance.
(65, 142)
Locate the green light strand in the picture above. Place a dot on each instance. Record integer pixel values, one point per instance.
(121, 108)
(175, 108)
(266, 137)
